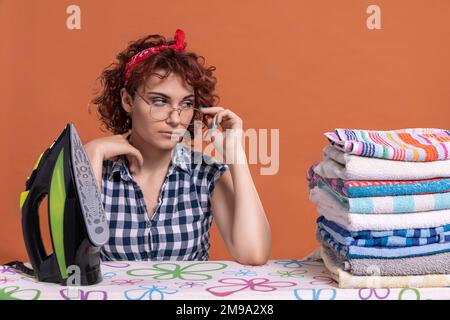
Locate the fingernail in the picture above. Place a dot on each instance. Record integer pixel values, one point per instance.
(212, 138)
(212, 126)
(217, 119)
(201, 107)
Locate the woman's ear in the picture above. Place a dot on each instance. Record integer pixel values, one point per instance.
(127, 101)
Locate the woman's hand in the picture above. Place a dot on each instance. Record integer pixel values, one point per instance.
(109, 148)
(230, 139)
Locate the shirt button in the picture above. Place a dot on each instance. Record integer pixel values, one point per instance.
(148, 224)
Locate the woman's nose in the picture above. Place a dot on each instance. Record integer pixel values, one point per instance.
(174, 116)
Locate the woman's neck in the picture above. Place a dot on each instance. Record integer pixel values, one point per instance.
(155, 159)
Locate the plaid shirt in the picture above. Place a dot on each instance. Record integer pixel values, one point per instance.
(179, 229)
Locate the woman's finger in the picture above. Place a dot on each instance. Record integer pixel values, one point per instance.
(131, 164)
(126, 134)
(129, 149)
(228, 115)
(211, 110)
(135, 158)
(138, 155)
(226, 123)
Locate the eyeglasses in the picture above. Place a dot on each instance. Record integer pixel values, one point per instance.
(163, 111)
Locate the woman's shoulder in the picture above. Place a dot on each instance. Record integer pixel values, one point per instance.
(204, 169)
(201, 162)
(209, 169)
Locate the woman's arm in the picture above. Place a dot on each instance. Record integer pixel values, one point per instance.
(240, 216)
(110, 147)
(236, 205)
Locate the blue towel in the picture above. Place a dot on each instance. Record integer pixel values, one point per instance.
(356, 252)
(379, 188)
(388, 204)
(391, 241)
(427, 186)
(371, 234)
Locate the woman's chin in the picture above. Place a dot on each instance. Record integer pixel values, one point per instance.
(167, 144)
(163, 141)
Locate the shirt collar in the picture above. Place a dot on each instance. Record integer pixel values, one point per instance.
(181, 159)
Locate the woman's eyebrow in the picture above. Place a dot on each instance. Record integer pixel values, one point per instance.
(166, 96)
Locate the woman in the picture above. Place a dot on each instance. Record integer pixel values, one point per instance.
(160, 207)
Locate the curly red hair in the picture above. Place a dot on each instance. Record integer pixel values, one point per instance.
(188, 65)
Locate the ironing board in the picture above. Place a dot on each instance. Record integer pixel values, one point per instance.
(218, 280)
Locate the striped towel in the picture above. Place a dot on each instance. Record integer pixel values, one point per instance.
(379, 188)
(415, 145)
(338, 164)
(403, 233)
(345, 237)
(383, 205)
(379, 222)
(357, 252)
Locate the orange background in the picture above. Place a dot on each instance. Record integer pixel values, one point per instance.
(304, 67)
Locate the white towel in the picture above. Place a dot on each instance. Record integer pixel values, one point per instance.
(383, 205)
(337, 164)
(346, 280)
(377, 222)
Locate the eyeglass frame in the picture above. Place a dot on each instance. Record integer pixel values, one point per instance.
(179, 110)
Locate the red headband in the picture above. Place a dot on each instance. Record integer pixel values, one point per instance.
(179, 45)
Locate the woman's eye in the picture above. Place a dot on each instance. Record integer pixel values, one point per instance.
(158, 102)
(188, 104)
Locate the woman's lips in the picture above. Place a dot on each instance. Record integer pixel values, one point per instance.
(168, 134)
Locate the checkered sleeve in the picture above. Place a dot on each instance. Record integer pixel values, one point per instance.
(216, 170)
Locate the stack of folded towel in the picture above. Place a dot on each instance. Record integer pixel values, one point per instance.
(383, 199)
